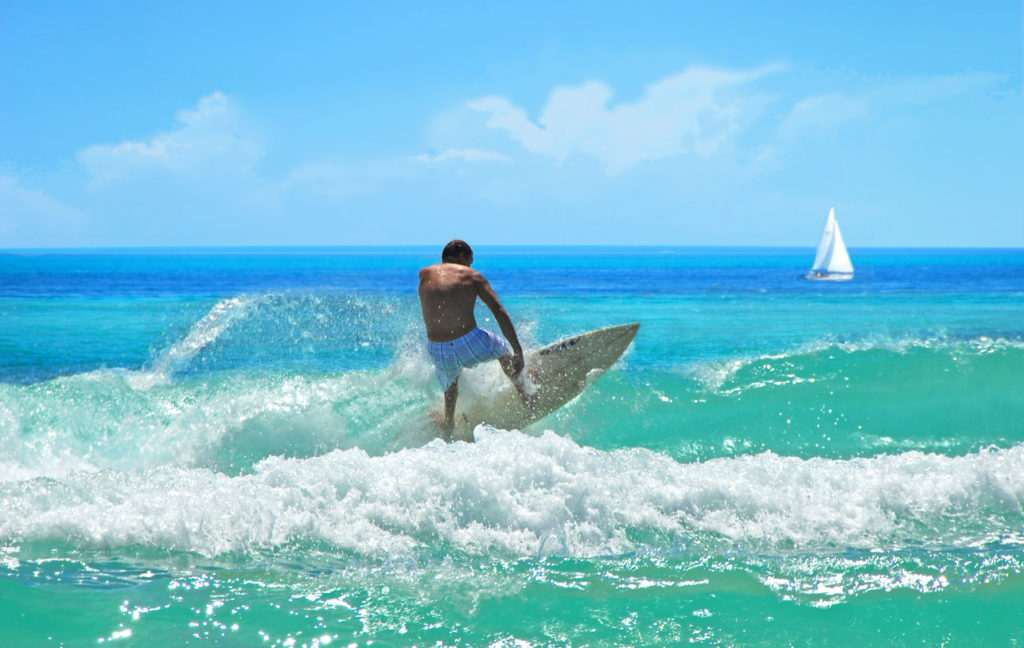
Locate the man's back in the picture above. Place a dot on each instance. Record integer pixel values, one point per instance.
(448, 293)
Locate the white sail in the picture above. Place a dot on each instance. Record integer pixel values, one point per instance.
(825, 244)
(832, 259)
(839, 260)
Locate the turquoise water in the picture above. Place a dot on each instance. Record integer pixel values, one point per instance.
(195, 450)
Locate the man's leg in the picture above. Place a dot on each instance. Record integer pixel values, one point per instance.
(450, 396)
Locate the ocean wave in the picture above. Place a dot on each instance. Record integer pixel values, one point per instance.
(526, 496)
(226, 422)
(826, 402)
(227, 417)
(718, 375)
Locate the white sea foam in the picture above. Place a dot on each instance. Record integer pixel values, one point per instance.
(525, 496)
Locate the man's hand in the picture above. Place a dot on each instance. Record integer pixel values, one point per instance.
(517, 363)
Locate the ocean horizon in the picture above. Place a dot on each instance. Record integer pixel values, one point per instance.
(435, 247)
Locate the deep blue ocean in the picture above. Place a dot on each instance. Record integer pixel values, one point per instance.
(196, 448)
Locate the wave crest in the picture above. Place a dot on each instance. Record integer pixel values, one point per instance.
(513, 493)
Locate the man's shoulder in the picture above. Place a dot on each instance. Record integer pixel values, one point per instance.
(437, 268)
(449, 267)
(450, 272)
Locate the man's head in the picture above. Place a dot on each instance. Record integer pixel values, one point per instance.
(457, 251)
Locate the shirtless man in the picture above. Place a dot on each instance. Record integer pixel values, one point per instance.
(448, 292)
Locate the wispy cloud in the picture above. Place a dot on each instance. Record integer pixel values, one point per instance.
(823, 112)
(211, 138)
(327, 179)
(816, 114)
(463, 155)
(30, 218)
(936, 87)
(695, 112)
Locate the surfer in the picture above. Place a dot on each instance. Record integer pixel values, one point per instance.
(448, 293)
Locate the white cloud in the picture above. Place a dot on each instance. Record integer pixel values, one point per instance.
(695, 112)
(31, 218)
(823, 112)
(465, 155)
(212, 138)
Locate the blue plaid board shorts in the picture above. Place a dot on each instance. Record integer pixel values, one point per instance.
(479, 345)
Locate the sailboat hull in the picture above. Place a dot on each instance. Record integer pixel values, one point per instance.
(829, 277)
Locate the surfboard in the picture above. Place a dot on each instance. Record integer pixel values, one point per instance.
(562, 369)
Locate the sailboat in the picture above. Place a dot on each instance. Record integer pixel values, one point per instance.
(832, 262)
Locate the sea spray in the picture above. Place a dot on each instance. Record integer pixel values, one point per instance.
(203, 333)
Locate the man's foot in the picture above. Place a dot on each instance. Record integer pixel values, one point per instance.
(437, 418)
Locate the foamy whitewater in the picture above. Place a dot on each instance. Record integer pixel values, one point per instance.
(199, 447)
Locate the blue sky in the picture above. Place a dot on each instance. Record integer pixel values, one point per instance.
(647, 123)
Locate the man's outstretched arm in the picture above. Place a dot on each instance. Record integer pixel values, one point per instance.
(490, 298)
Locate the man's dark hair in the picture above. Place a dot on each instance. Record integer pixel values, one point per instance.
(455, 249)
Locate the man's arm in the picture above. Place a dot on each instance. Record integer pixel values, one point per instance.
(489, 297)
